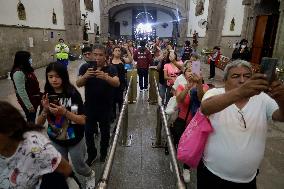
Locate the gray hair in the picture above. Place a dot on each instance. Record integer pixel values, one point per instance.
(236, 63)
(100, 47)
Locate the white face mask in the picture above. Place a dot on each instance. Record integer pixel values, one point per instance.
(30, 61)
(243, 46)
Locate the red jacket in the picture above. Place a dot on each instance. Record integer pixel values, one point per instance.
(143, 58)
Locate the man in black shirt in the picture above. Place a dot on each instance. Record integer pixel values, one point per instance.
(99, 80)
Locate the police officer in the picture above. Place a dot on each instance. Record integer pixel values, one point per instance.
(62, 51)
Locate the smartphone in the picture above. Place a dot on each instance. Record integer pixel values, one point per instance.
(195, 67)
(93, 65)
(268, 67)
(54, 99)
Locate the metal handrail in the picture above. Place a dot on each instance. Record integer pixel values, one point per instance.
(103, 183)
(172, 150)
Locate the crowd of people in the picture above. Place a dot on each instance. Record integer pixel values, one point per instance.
(239, 112)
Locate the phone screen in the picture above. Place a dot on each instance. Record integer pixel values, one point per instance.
(195, 67)
(268, 67)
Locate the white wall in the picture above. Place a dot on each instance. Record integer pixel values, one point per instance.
(164, 18)
(93, 16)
(125, 16)
(233, 9)
(38, 13)
(193, 20)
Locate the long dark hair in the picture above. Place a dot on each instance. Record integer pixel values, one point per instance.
(13, 123)
(21, 62)
(62, 72)
(168, 57)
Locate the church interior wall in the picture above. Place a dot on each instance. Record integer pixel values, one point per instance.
(161, 19)
(38, 13)
(93, 17)
(39, 42)
(233, 18)
(32, 34)
(232, 28)
(193, 20)
(125, 16)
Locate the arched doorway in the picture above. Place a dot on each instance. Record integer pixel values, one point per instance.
(175, 24)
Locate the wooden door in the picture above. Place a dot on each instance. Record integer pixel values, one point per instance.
(258, 38)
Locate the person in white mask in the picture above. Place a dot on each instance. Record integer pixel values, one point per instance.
(242, 52)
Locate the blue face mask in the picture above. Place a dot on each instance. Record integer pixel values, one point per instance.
(30, 60)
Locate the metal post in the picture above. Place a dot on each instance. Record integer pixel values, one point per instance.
(133, 85)
(158, 138)
(125, 127)
(172, 150)
(153, 73)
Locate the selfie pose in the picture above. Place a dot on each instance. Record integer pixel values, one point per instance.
(239, 114)
(62, 107)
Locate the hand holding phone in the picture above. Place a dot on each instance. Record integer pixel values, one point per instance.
(54, 99)
(268, 67)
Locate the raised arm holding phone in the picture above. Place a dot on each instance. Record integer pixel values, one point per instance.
(238, 113)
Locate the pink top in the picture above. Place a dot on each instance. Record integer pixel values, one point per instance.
(183, 107)
(173, 72)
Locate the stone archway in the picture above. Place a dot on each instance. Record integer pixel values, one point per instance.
(181, 6)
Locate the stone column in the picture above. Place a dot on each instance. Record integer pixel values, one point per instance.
(216, 16)
(104, 26)
(279, 41)
(182, 31)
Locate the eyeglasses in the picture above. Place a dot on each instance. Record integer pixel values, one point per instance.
(243, 118)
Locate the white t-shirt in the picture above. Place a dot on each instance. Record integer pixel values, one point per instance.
(234, 152)
(180, 80)
(34, 157)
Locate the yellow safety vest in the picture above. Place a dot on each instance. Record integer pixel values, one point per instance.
(62, 55)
